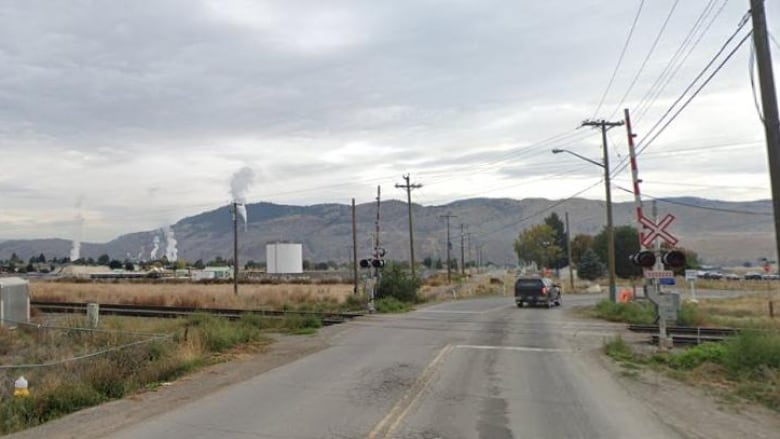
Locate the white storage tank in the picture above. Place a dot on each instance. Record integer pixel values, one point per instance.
(284, 258)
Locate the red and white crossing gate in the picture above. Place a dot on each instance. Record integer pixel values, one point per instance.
(657, 230)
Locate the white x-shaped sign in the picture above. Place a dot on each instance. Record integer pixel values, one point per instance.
(657, 230)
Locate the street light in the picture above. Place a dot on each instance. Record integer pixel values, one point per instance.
(610, 228)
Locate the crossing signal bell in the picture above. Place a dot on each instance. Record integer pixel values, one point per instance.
(645, 259)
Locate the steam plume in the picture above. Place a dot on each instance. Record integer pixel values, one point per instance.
(239, 186)
(155, 247)
(171, 253)
(75, 249)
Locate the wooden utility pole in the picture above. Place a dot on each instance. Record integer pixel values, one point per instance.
(604, 125)
(354, 251)
(449, 246)
(769, 106)
(408, 187)
(235, 248)
(462, 241)
(568, 254)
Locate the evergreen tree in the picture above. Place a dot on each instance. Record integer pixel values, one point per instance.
(590, 267)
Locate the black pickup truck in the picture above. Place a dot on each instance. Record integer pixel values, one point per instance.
(537, 291)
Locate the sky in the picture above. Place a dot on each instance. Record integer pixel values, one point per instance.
(117, 117)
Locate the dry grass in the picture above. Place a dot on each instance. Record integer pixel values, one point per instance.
(742, 312)
(194, 295)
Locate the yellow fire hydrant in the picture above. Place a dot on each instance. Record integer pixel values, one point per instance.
(20, 387)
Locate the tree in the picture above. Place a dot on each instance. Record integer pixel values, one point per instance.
(579, 245)
(626, 244)
(321, 266)
(537, 244)
(554, 221)
(428, 262)
(104, 259)
(199, 264)
(129, 266)
(42, 258)
(114, 264)
(590, 266)
(306, 265)
(439, 265)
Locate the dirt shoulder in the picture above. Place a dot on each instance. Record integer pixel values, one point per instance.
(101, 421)
(694, 412)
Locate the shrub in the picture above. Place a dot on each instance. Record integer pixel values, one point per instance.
(750, 352)
(698, 355)
(391, 305)
(355, 302)
(690, 315)
(397, 283)
(590, 267)
(631, 312)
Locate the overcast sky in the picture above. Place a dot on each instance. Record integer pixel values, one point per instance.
(136, 114)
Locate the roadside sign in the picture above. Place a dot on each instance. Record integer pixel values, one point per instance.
(666, 281)
(668, 305)
(658, 274)
(657, 230)
(690, 275)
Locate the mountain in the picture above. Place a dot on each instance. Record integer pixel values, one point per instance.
(722, 232)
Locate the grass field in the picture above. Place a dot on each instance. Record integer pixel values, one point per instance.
(251, 296)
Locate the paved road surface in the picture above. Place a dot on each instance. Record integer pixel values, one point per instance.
(469, 369)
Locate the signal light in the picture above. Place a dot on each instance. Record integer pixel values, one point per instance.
(378, 263)
(644, 259)
(674, 259)
(365, 263)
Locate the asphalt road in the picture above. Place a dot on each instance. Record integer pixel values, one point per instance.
(469, 369)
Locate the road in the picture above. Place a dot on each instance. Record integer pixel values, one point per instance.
(477, 368)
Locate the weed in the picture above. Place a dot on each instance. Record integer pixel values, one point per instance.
(698, 355)
(750, 351)
(618, 349)
(632, 312)
(391, 305)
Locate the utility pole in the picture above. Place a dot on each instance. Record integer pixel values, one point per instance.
(449, 245)
(376, 237)
(354, 251)
(610, 228)
(568, 254)
(769, 105)
(235, 247)
(408, 187)
(479, 257)
(462, 237)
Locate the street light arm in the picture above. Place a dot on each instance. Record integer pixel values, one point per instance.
(557, 151)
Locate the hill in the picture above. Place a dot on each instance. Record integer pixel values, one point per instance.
(722, 232)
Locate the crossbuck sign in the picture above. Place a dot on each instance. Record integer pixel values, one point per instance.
(657, 230)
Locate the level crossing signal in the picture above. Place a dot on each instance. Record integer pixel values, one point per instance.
(646, 259)
(368, 263)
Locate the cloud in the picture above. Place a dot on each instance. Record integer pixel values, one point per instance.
(148, 107)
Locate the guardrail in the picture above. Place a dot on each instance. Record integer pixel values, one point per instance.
(327, 318)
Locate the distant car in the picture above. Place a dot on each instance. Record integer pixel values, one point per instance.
(731, 276)
(773, 276)
(713, 275)
(537, 291)
(753, 276)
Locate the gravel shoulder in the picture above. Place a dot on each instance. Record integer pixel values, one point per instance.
(102, 420)
(694, 412)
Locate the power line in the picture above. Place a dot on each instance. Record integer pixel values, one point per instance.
(644, 145)
(647, 58)
(620, 59)
(675, 63)
(539, 212)
(696, 206)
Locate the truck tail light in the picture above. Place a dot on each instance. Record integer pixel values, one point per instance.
(544, 291)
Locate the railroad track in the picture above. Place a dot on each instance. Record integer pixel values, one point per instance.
(687, 335)
(327, 318)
